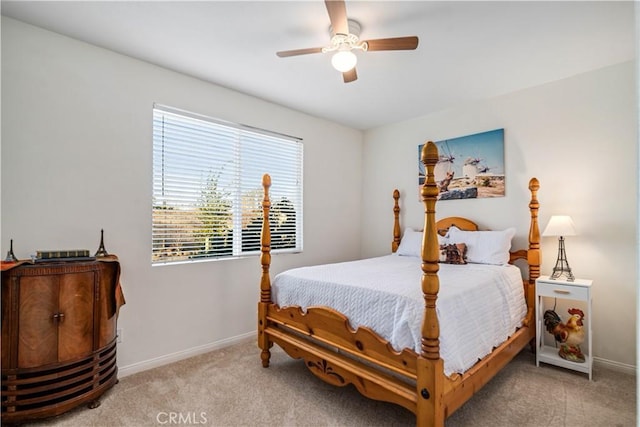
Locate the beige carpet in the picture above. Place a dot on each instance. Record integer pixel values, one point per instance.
(229, 387)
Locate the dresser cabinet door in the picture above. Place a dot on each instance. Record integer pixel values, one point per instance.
(38, 329)
(75, 309)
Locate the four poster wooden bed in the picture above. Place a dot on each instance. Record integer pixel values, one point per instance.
(412, 378)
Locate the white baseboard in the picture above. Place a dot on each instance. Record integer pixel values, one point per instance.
(124, 371)
(615, 366)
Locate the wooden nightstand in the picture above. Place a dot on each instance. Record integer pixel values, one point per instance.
(563, 295)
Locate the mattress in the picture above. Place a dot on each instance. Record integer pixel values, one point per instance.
(479, 306)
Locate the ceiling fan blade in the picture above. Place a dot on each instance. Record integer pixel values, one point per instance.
(350, 76)
(397, 43)
(295, 52)
(338, 16)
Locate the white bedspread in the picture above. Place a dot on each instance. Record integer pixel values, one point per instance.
(479, 306)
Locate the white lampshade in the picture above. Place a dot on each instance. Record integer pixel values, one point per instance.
(560, 225)
(344, 60)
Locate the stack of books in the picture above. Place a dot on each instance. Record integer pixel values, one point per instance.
(64, 255)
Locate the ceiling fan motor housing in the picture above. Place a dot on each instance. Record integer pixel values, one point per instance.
(345, 42)
(354, 28)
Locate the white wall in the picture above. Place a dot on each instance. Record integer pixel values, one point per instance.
(77, 157)
(578, 136)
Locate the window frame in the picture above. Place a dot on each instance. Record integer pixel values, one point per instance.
(289, 195)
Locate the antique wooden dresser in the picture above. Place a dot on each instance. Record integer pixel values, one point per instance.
(58, 335)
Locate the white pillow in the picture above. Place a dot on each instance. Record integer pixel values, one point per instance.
(484, 247)
(411, 243)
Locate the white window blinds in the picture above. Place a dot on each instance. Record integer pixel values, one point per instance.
(207, 188)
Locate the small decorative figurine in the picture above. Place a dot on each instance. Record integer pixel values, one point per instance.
(101, 252)
(570, 334)
(10, 255)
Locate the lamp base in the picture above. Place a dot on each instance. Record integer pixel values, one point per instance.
(557, 274)
(562, 265)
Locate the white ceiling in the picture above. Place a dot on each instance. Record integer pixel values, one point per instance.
(468, 50)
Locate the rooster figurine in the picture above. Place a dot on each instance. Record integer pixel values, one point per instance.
(570, 334)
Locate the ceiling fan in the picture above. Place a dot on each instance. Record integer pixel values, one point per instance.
(345, 38)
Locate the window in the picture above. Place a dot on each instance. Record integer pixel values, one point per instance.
(207, 188)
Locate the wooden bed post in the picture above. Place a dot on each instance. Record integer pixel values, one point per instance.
(533, 254)
(430, 368)
(396, 221)
(265, 281)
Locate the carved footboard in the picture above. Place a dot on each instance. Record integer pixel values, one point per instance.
(339, 355)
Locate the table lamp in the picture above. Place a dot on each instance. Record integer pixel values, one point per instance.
(561, 225)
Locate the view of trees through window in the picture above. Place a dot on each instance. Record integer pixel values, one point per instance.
(212, 208)
(207, 229)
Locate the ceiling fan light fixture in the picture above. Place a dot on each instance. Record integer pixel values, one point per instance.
(344, 60)
(345, 38)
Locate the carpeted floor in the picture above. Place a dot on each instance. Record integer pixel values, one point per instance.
(228, 387)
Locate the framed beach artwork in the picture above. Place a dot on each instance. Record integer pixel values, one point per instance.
(469, 167)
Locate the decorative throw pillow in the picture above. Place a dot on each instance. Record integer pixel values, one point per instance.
(453, 253)
(484, 247)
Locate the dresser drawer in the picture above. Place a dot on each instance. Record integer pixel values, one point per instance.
(557, 290)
